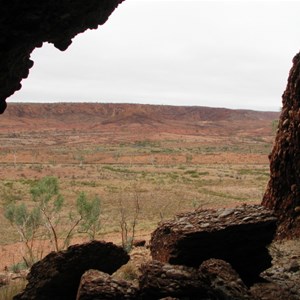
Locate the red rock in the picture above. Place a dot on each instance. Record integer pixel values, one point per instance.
(98, 285)
(283, 191)
(238, 236)
(57, 276)
(215, 279)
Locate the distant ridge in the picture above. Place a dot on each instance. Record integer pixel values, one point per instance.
(111, 112)
(98, 118)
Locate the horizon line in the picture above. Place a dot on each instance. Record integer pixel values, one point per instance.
(265, 109)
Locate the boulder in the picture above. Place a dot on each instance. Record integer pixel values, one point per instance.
(159, 280)
(57, 276)
(223, 281)
(98, 285)
(215, 279)
(237, 235)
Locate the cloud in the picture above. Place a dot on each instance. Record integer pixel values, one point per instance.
(217, 53)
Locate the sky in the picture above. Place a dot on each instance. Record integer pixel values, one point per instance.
(234, 54)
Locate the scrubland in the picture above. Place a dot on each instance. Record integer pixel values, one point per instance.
(165, 170)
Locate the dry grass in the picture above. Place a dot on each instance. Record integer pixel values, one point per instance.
(163, 191)
(7, 292)
(170, 172)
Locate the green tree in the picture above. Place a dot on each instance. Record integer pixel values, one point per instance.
(89, 211)
(27, 224)
(47, 195)
(47, 213)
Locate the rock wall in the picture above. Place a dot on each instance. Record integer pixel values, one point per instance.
(283, 190)
(25, 25)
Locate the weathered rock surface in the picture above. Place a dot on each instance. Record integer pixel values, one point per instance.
(25, 25)
(223, 281)
(98, 285)
(57, 276)
(283, 278)
(272, 291)
(214, 280)
(283, 191)
(160, 280)
(238, 236)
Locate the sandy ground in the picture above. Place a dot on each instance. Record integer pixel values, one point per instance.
(14, 253)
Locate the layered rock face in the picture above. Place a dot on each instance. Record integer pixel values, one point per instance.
(57, 276)
(25, 25)
(283, 191)
(238, 235)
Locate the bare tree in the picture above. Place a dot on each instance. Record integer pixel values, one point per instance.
(129, 219)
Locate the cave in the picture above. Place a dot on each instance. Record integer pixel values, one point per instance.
(26, 25)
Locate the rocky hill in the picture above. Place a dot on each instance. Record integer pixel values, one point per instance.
(132, 112)
(70, 115)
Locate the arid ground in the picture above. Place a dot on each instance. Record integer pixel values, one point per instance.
(169, 159)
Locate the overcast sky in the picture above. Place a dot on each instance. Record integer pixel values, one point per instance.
(234, 54)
